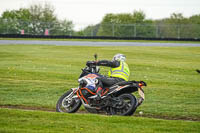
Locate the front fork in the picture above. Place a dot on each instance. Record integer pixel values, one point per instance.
(69, 98)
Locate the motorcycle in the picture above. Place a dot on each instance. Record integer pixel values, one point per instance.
(115, 100)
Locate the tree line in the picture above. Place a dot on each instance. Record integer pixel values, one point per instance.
(37, 18)
(34, 20)
(136, 25)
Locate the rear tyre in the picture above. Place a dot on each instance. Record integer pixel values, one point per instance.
(129, 105)
(67, 103)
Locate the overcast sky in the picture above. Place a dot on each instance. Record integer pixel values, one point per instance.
(92, 11)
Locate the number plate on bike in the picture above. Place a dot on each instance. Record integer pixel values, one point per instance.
(141, 92)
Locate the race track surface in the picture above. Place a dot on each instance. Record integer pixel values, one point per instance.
(87, 43)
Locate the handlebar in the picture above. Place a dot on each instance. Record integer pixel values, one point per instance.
(91, 63)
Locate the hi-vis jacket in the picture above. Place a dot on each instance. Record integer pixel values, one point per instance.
(120, 72)
(118, 69)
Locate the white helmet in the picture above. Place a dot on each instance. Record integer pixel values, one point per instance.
(119, 57)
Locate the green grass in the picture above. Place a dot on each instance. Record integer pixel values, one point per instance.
(18, 121)
(33, 75)
(103, 40)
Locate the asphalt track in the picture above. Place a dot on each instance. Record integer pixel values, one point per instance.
(90, 43)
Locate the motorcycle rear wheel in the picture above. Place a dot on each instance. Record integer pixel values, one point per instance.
(130, 103)
(66, 104)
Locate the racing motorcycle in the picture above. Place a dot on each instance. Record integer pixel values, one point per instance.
(117, 99)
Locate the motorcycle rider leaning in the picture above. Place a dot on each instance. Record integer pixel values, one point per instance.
(119, 71)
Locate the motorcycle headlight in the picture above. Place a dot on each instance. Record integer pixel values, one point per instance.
(82, 82)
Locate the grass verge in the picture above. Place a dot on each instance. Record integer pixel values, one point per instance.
(103, 40)
(18, 121)
(37, 76)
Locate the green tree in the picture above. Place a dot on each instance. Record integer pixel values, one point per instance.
(22, 14)
(127, 25)
(42, 17)
(62, 27)
(34, 20)
(14, 21)
(194, 26)
(178, 26)
(90, 30)
(138, 17)
(195, 19)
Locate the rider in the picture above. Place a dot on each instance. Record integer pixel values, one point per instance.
(119, 71)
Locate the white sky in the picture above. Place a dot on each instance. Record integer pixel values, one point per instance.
(92, 11)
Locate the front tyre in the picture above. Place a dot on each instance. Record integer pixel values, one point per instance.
(127, 107)
(68, 103)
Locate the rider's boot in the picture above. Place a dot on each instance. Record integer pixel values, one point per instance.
(99, 91)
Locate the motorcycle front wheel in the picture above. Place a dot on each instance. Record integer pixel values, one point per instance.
(129, 102)
(67, 103)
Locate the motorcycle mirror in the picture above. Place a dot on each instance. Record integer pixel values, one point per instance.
(95, 56)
